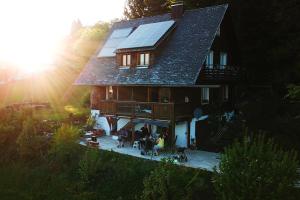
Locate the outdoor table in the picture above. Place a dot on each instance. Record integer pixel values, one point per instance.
(93, 143)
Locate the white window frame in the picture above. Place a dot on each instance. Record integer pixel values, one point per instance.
(144, 60)
(205, 95)
(126, 61)
(223, 60)
(210, 60)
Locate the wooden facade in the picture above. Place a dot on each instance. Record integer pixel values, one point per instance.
(214, 85)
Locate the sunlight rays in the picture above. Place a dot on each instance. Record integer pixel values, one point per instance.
(32, 30)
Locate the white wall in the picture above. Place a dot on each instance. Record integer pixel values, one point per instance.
(181, 129)
(193, 127)
(101, 122)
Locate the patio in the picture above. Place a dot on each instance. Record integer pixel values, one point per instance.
(196, 159)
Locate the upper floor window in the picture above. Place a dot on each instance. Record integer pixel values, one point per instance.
(210, 60)
(144, 60)
(205, 95)
(223, 60)
(126, 60)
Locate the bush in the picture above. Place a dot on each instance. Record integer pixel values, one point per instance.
(256, 169)
(168, 181)
(29, 143)
(65, 144)
(89, 165)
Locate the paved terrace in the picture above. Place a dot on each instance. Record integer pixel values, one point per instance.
(196, 159)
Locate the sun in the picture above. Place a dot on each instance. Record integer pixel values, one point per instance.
(32, 30)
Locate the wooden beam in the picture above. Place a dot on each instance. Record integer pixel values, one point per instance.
(148, 94)
(189, 133)
(117, 93)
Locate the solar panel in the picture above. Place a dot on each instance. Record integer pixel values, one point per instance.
(146, 35)
(117, 37)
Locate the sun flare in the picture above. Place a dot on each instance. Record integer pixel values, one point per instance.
(32, 30)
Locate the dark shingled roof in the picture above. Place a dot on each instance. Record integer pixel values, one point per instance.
(178, 64)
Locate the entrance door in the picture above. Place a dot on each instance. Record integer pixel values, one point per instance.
(181, 129)
(201, 133)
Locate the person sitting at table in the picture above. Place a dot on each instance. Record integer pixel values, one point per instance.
(123, 134)
(145, 131)
(160, 144)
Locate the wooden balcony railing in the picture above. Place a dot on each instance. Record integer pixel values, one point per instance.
(136, 109)
(153, 110)
(220, 72)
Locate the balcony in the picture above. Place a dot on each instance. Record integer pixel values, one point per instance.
(219, 73)
(152, 110)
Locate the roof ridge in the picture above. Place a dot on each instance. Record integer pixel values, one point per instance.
(213, 6)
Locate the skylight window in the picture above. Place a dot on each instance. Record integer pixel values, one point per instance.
(116, 38)
(147, 35)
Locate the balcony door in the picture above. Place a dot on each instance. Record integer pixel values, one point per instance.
(210, 60)
(223, 60)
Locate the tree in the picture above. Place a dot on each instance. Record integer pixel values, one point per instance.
(256, 169)
(144, 8)
(75, 28)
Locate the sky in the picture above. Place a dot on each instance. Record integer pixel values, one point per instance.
(30, 30)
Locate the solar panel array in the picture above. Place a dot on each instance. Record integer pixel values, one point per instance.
(116, 38)
(146, 35)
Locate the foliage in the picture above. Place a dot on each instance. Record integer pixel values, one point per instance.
(65, 144)
(157, 185)
(293, 92)
(256, 169)
(29, 142)
(90, 123)
(140, 8)
(89, 165)
(167, 181)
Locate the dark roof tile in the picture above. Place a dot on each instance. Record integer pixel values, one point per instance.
(180, 61)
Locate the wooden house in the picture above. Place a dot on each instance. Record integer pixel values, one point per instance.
(164, 70)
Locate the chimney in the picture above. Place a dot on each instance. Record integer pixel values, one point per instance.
(177, 9)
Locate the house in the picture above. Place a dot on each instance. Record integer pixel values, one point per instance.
(164, 71)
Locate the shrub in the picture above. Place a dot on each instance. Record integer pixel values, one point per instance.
(168, 181)
(29, 143)
(65, 144)
(157, 185)
(89, 165)
(256, 169)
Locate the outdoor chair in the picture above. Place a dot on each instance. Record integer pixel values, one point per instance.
(136, 145)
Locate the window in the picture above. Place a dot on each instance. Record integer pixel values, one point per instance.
(111, 92)
(144, 59)
(210, 60)
(225, 93)
(205, 95)
(126, 60)
(223, 60)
